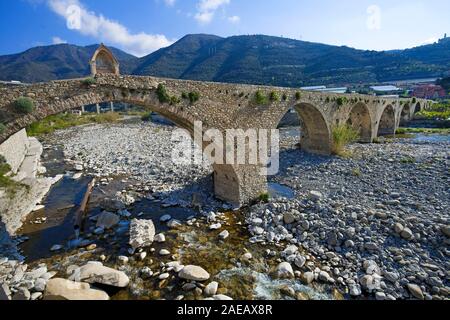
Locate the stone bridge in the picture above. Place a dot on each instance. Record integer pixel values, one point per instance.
(219, 106)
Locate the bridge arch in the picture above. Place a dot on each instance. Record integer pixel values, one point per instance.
(315, 131)
(417, 108)
(405, 115)
(360, 119)
(387, 122)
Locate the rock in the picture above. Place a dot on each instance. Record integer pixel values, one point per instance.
(307, 277)
(142, 255)
(146, 273)
(5, 293)
(97, 273)
(164, 252)
(194, 273)
(211, 289)
(315, 195)
(380, 296)
(91, 247)
(165, 218)
(160, 238)
(107, 220)
(299, 261)
(285, 271)
(288, 218)
(221, 297)
(163, 276)
(415, 291)
(355, 290)
(247, 256)
(78, 167)
(290, 250)
(216, 226)
(39, 285)
(224, 235)
(446, 231)
(112, 205)
(36, 295)
(77, 175)
(22, 295)
(61, 289)
(173, 224)
(142, 233)
(398, 228)
(324, 276)
(56, 247)
(406, 234)
(123, 259)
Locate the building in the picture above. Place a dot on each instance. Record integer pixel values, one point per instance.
(429, 91)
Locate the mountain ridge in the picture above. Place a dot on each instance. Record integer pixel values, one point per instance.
(251, 59)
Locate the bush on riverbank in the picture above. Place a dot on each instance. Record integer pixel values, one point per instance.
(436, 111)
(402, 131)
(67, 120)
(2, 128)
(342, 136)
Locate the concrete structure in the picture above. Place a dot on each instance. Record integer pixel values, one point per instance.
(220, 106)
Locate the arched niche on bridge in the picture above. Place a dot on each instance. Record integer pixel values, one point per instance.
(405, 115)
(104, 62)
(315, 135)
(360, 119)
(417, 108)
(387, 124)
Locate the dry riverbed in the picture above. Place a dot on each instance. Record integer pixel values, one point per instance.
(375, 225)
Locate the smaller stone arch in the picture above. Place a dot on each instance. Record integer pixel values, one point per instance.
(315, 132)
(417, 108)
(387, 123)
(104, 62)
(360, 119)
(405, 115)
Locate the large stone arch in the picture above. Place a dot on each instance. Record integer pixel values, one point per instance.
(387, 122)
(104, 62)
(315, 131)
(360, 119)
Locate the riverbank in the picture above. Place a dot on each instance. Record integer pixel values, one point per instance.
(374, 225)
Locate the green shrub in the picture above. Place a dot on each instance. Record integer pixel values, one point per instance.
(260, 98)
(274, 96)
(2, 128)
(342, 136)
(24, 105)
(356, 172)
(194, 97)
(107, 117)
(174, 100)
(162, 94)
(264, 197)
(184, 95)
(340, 101)
(414, 100)
(298, 95)
(285, 97)
(89, 81)
(147, 117)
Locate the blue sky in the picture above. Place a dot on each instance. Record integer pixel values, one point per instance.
(143, 26)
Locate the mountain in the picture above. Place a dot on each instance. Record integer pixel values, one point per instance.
(55, 62)
(255, 59)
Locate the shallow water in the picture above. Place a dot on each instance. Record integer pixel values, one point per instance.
(431, 138)
(277, 190)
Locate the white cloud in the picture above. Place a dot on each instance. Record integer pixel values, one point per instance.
(95, 25)
(234, 19)
(58, 40)
(373, 18)
(206, 10)
(170, 3)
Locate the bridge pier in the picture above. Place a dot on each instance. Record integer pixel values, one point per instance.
(98, 108)
(240, 184)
